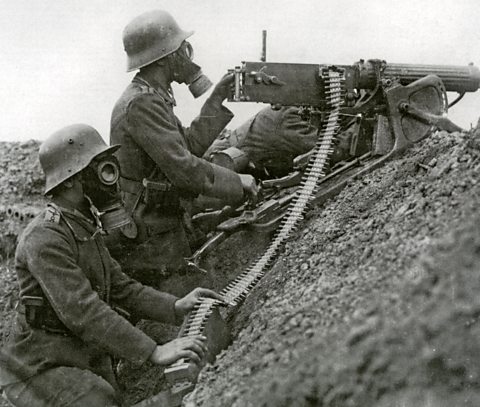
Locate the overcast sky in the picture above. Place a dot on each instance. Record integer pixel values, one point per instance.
(62, 62)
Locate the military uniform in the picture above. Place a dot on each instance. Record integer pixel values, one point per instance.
(275, 137)
(271, 139)
(161, 166)
(70, 328)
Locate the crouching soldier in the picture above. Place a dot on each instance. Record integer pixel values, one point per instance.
(67, 325)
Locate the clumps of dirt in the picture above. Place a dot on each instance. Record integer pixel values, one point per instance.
(21, 177)
(373, 302)
(21, 188)
(8, 298)
(375, 299)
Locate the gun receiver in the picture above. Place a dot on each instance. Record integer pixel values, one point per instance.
(292, 84)
(398, 104)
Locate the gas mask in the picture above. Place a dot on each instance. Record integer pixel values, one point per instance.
(186, 71)
(100, 185)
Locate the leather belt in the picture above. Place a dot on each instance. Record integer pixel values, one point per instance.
(40, 315)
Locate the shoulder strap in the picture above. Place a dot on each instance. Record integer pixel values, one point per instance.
(52, 213)
(146, 88)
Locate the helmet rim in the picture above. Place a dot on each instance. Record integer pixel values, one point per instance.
(69, 151)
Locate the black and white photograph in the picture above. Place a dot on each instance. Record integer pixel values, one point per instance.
(240, 203)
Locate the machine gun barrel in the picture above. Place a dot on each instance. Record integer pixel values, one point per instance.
(455, 78)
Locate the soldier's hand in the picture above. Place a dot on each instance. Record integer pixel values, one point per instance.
(223, 88)
(250, 187)
(186, 304)
(192, 347)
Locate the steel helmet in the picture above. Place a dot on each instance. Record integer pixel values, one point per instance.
(68, 151)
(151, 36)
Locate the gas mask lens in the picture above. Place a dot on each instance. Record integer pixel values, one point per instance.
(100, 182)
(188, 50)
(108, 172)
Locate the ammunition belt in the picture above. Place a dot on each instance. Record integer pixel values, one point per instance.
(179, 372)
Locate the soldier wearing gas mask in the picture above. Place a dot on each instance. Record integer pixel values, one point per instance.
(69, 323)
(162, 168)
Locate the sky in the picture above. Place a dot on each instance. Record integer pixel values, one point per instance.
(63, 62)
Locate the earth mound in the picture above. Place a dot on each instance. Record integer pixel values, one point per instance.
(373, 301)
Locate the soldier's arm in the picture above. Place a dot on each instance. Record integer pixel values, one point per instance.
(207, 126)
(52, 261)
(212, 119)
(154, 130)
(277, 132)
(139, 300)
(298, 134)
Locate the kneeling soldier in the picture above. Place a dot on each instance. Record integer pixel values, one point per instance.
(67, 326)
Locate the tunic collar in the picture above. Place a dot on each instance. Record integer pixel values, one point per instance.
(68, 211)
(166, 94)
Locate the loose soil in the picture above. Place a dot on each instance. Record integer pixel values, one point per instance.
(372, 303)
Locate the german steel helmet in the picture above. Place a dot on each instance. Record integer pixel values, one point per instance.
(151, 36)
(68, 151)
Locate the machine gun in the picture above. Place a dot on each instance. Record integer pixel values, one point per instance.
(386, 106)
(390, 106)
(400, 101)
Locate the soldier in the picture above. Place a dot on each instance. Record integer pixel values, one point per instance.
(162, 168)
(268, 142)
(67, 328)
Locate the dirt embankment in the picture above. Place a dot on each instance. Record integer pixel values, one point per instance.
(374, 301)
(21, 186)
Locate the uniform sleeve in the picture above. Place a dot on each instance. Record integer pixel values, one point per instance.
(206, 127)
(51, 260)
(277, 134)
(142, 301)
(296, 134)
(155, 130)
